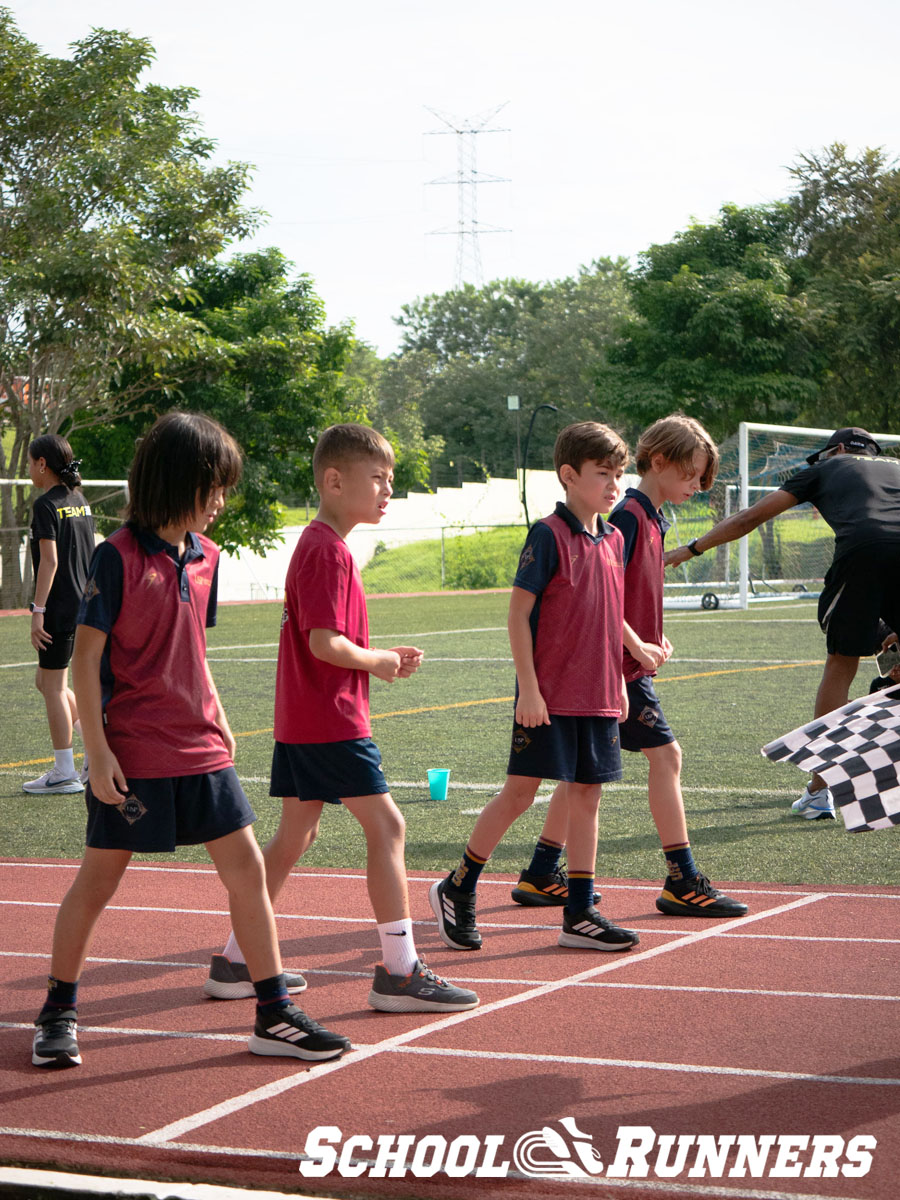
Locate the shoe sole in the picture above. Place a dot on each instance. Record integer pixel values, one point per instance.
(57, 1062)
(576, 941)
(63, 790)
(542, 900)
(817, 815)
(396, 1004)
(672, 909)
(217, 990)
(434, 899)
(279, 1049)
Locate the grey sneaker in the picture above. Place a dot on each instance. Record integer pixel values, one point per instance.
(455, 912)
(54, 1042)
(420, 991)
(588, 930)
(287, 1032)
(51, 783)
(229, 980)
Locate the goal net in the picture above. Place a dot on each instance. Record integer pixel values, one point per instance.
(788, 555)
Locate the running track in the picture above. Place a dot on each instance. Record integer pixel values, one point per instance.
(785, 1022)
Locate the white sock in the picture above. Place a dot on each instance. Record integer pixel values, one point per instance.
(398, 949)
(233, 951)
(65, 763)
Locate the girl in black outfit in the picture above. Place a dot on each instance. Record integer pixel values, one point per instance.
(62, 543)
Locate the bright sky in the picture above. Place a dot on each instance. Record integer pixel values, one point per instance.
(625, 120)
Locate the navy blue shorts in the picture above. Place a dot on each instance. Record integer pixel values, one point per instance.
(646, 726)
(328, 771)
(58, 655)
(571, 749)
(159, 814)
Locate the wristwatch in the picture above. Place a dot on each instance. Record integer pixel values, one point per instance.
(692, 546)
(36, 609)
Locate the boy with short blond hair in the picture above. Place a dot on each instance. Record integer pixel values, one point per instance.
(675, 458)
(565, 631)
(324, 753)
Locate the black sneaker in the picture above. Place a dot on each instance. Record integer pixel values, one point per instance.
(229, 980)
(588, 930)
(455, 912)
(420, 991)
(287, 1032)
(54, 1043)
(697, 898)
(542, 891)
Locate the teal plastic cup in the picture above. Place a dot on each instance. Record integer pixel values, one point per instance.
(437, 783)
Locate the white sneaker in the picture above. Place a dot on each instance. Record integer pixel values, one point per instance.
(50, 783)
(815, 806)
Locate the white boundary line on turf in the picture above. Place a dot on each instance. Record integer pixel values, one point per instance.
(176, 1129)
(643, 1186)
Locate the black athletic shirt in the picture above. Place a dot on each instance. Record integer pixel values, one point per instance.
(857, 495)
(63, 516)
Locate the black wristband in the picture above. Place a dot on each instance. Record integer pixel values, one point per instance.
(692, 546)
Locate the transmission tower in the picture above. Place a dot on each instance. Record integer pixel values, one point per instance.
(467, 179)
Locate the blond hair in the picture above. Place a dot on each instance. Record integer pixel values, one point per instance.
(677, 438)
(340, 445)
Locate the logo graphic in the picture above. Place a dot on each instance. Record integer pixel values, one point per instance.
(526, 558)
(521, 741)
(648, 716)
(91, 590)
(131, 808)
(547, 1153)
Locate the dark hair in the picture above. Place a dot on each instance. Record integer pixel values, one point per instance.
(588, 441)
(677, 438)
(57, 454)
(341, 444)
(184, 455)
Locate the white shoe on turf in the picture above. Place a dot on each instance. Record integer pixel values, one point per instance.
(815, 806)
(51, 782)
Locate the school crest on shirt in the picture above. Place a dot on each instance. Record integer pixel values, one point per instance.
(526, 558)
(91, 590)
(131, 808)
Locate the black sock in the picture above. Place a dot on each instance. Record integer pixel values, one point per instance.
(271, 993)
(61, 995)
(465, 877)
(545, 860)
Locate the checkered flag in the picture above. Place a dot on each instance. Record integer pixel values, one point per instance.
(856, 750)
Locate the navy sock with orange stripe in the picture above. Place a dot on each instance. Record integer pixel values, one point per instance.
(680, 863)
(465, 877)
(545, 860)
(581, 891)
(61, 995)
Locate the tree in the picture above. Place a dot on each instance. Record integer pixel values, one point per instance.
(722, 330)
(107, 200)
(846, 226)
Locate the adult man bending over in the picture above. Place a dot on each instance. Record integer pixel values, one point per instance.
(858, 494)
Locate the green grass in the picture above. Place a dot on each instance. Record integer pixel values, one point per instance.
(722, 710)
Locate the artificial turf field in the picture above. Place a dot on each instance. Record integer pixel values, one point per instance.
(737, 680)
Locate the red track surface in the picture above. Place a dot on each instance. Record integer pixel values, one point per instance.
(786, 1022)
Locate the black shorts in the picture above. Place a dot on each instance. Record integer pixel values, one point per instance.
(571, 749)
(859, 589)
(58, 655)
(646, 726)
(159, 814)
(328, 771)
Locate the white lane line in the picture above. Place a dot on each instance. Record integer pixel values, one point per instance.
(205, 1117)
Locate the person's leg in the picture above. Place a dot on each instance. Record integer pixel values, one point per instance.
(544, 883)
(92, 889)
(834, 692)
(501, 811)
(583, 926)
(239, 862)
(59, 701)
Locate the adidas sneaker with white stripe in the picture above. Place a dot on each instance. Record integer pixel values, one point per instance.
(287, 1032)
(588, 930)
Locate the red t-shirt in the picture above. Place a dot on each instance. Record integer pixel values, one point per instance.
(314, 700)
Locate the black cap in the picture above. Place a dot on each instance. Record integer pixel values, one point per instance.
(854, 440)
